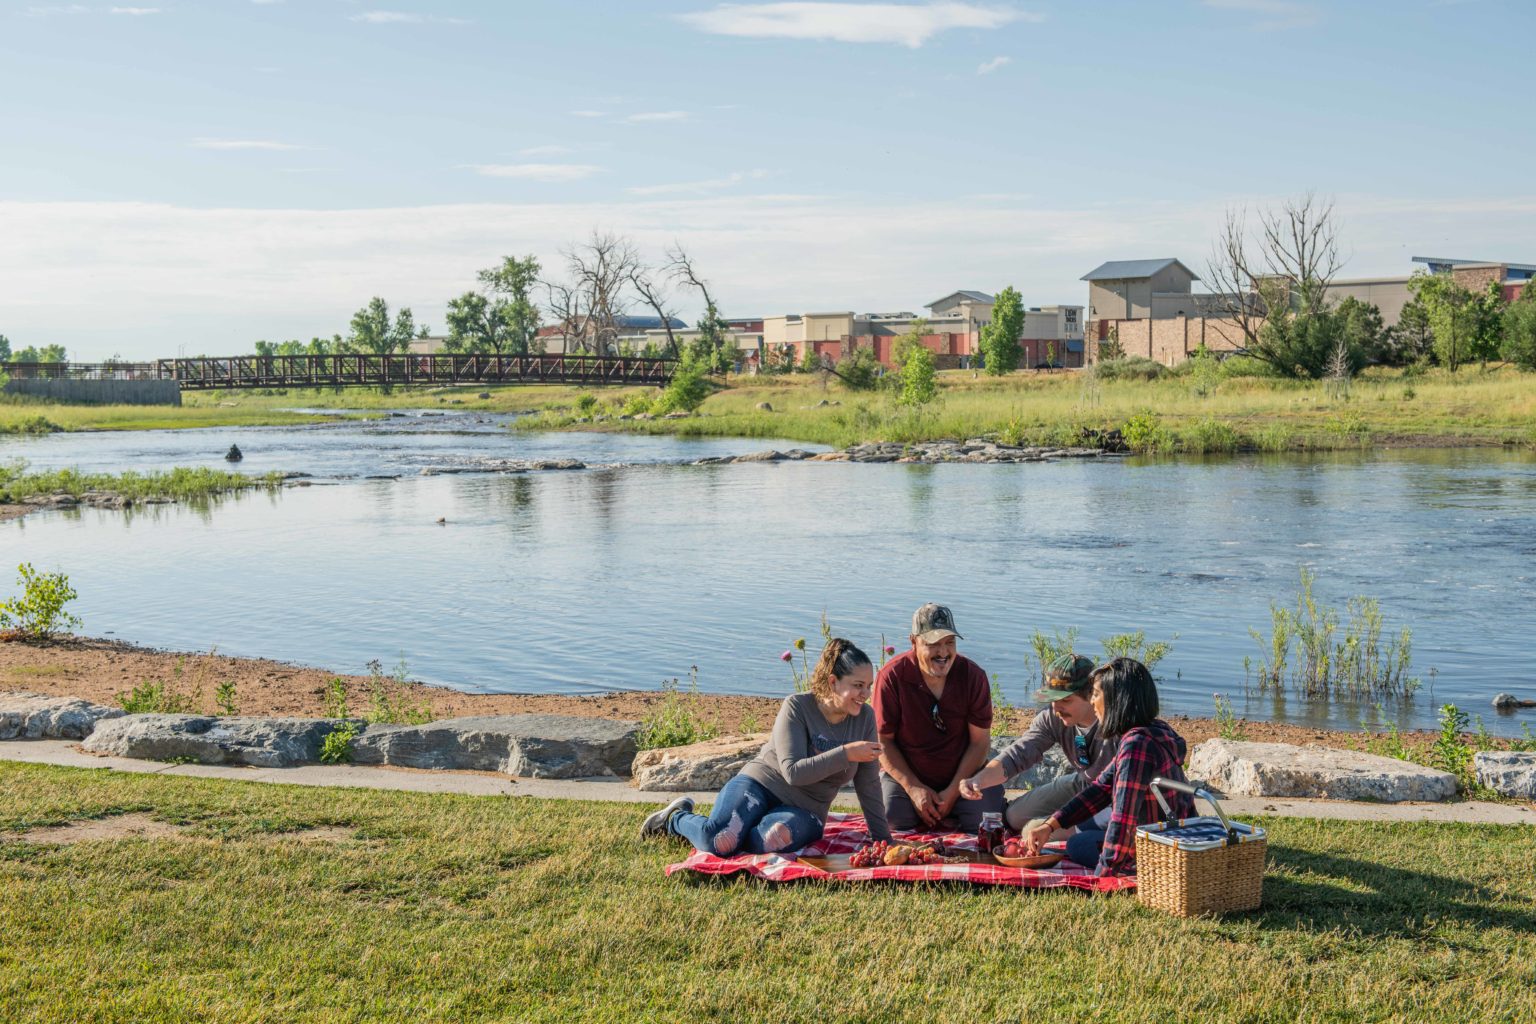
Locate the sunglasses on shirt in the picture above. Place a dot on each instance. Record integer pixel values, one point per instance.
(938, 720)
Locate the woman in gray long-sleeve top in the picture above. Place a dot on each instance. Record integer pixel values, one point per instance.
(821, 741)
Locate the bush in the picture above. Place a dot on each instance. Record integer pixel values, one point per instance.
(638, 405)
(687, 390)
(388, 698)
(1211, 435)
(586, 403)
(678, 720)
(1129, 368)
(336, 748)
(39, 612)
(1144, 434)
(224, 697)
(919, 382)
(860, 371)
(1245, 366)
(155, 698)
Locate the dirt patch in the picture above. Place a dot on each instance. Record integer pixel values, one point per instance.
(321, 834)
(14, 511)
(98, 670)
(120, 826)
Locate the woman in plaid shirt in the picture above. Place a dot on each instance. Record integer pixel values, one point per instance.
(1124, 697)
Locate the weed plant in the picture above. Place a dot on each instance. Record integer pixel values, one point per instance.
(38, 613)
(1307, 653)
(679, 719)
(155, 697)
(336, 747)
(389, 700)
(1228, 725)
(179, 484)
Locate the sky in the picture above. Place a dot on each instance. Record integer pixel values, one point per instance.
(189, 176)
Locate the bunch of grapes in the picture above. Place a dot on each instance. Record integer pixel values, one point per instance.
(869, 855)
(925, 855)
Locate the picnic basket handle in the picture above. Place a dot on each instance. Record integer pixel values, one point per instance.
(1197, 790)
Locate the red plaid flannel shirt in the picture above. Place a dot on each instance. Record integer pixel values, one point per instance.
(1144, 753)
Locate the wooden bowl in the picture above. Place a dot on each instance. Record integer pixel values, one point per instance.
(1037, 862)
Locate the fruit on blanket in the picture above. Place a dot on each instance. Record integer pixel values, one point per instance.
(869, 855)
(1012, 848)
(897, 855)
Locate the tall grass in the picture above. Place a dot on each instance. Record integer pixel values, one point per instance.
(179, 484)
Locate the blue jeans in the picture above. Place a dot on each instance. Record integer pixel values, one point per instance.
(1085, 846)
(747, 818)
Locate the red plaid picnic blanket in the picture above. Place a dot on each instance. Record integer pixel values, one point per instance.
(847, 832)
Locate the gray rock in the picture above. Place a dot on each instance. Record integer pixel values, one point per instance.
(262, 742)
(33, 716)
(533, 746)
(1051, 767)
(483, 395)
(698, 766)
(1509, 702)
(1281, 769)
(768, 456)
(764, 407)
(1507, 772)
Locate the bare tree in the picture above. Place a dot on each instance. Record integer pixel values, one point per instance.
(711, 327)
(1286, 265)
(590, 304)
(655, 297)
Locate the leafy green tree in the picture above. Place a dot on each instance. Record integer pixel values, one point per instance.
(906, 343)
(1411, 337)
(919, 381)
(1466, 326)
(477, 324)
(1520, 330)
(5, 349)
(1363, 329)
(510, 285)
(1000, 338)
(292, 347)
(374, 333)
(689, 387)
(1309, 345)
(860, 371)
(46, 354)
(266, 349)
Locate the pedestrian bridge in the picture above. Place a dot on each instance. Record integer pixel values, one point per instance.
(356, 370)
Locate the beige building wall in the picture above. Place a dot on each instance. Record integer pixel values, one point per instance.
(1171, 341)
(1120, 300)
(1388, 294)
(824, 326)
(781, 330)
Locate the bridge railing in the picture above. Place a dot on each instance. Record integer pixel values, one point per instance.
(362, 370)
(81, 371)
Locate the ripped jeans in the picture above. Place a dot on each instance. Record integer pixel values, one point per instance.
(747, 818)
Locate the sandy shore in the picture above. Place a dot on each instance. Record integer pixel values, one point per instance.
(99, 670)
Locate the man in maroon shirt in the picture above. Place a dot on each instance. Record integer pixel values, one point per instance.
(933, 711)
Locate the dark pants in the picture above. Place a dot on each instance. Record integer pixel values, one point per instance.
(1085, 846)
(964, 816)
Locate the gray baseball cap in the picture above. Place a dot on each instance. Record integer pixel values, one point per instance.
(933, 622)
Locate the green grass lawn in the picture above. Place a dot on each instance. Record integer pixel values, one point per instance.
(452, 908)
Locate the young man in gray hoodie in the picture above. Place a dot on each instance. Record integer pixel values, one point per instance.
(1067, 721)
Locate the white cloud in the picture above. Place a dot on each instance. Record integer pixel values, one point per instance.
(544, 151)
(1274, 15)
(589, 113)
(405, 18)
(907, 24)
(216, 279)
(536, 172)
(992, 65)
(231, 144)
(658, 115)
(696, 187)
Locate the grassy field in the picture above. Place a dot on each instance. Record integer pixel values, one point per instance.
(278, 903)
(1379, 408)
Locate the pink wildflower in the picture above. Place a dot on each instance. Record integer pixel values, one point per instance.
(787, 656)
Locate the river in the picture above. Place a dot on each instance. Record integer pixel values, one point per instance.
(635, 570)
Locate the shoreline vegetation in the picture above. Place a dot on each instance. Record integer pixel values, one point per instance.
(1157, 411)
(104, 671)
(22, 492)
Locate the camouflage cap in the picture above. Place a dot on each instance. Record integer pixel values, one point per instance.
(933, 622)
(1066, 676)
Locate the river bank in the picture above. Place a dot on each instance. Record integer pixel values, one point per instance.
(102, 670)
(1381, 408)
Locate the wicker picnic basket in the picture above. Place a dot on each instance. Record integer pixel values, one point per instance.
(1194, 866)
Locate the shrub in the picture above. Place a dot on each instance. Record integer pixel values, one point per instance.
(389, 702)
(586, 403)
(1449, 753)
(638, 405)
(919, 382)
(33, 425)
(1135, 645)
(336, 748)
(1245, 366)
(333, 702)
(1204, 373)
(1129, 368)
(1145, 434)
(155, 698)
(1277, 437)
(39, 612)
(688, 389)
(1003, 709)
(678, 720)
(1211, 435)
(224, 697)
(860, 371)
(1228, 725)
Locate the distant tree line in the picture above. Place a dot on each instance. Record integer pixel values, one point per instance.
(31, 354)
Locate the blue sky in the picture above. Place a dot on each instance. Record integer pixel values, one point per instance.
(196, 175)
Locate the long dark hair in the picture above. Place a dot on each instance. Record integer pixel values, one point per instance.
(838, 658)
(1130, 695)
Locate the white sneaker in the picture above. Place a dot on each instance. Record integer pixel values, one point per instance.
(656, 824)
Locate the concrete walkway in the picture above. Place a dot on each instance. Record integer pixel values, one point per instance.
(68, 754)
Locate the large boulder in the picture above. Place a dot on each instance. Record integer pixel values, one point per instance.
(698, 766)
(1051, 767)
(1507, 772)
(532, 746)
(33, 716)
(1280, 769)
(262, 742)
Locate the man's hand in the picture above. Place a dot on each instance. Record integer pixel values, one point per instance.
(947, 799)
(926, 802)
